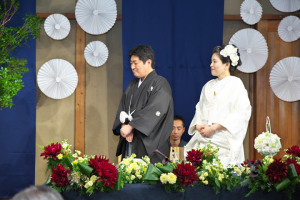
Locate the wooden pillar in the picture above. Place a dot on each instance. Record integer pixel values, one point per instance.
(80, 90)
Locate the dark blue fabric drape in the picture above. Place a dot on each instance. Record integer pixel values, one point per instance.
(182, 34)
(17, 125)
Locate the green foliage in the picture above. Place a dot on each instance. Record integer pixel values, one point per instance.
(13, 69)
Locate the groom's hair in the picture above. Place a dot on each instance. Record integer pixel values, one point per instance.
(179, 117)
(144, 52)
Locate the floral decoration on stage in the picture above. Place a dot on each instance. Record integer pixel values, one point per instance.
(211, 171)
(267, 143)
(202, 167)
(133, 170)
(83, 173)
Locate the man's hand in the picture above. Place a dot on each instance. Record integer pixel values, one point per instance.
(126, 130)
(207, 131)
(129, 137)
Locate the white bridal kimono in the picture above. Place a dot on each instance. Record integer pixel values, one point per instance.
(225, 102)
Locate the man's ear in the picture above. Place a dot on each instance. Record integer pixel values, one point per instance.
(149, 62)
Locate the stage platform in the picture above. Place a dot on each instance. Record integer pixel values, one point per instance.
(144, 191)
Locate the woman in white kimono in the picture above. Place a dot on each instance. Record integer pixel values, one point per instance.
(223, 111)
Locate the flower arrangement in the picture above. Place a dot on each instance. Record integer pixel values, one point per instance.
(55, 153)
(211, 171)
(202, 165)
(133, 170)
(269, 174)
(85, 174)
(267, 143)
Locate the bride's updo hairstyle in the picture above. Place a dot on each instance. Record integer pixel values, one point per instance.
(226, 55)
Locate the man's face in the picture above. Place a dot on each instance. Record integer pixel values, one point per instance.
(140, 69)
(178, 130)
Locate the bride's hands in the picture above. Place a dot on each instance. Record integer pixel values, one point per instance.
(199, 127)
(206, 131)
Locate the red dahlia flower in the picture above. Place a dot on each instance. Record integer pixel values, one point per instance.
(94, 163)
(60, 176)
(293, 161)
(195, 157)
(277, 171)
(185, 173)
(52, 151)
(294, 150)
(108, 174)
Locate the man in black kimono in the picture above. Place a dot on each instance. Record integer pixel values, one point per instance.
(145, 113)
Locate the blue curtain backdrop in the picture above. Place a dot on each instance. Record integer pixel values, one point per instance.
(182, 34)
(17, 125)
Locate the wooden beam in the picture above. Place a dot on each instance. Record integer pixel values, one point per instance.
(70, 16)
(264, 17)
(80, 90)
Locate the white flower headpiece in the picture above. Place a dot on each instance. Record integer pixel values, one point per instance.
(231, 51)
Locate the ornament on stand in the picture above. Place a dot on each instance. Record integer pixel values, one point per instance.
(267, 143)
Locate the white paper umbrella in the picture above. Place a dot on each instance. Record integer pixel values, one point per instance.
(286, 5)
(96, 16)
(289, 29)
(253, 49)
(251, 11)
(285, 79)
(57, 79)
(96, 53)
(57, 26)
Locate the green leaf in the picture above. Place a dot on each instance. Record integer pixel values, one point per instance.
(292, 173)
(152, 174)
(166, 168)
(85, 169)
(283, 184)
(67, 162)
(119, 182)
(48, 180)
(217, 182)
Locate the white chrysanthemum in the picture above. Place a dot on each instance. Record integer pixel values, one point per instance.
(90, 183)
(164, 178)
(132, 177)
(128, 169)
(125, 161)
(94, 178)
(171, 178)
(139, 176)
(64, 146)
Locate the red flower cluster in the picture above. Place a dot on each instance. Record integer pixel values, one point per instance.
(60, 176)
(195, 157)
(294, 150)
(107, 172)
(185, 173)
(94, 163)
(277, 171)
(293, 161)
(52, 151)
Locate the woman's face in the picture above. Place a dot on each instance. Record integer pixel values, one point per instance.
(217, 67)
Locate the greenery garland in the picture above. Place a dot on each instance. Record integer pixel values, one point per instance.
(11, 68)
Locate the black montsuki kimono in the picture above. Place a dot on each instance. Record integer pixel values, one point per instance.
(152, 118)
